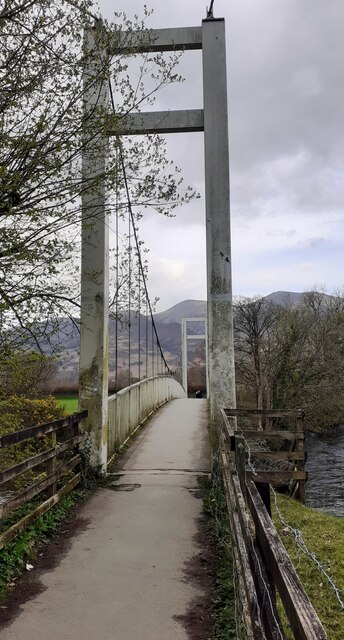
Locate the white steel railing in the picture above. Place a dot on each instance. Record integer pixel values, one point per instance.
(131, 406)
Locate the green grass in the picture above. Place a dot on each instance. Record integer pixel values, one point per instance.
(69, 403)
(324, 536)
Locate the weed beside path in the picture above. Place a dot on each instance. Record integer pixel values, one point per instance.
(24, 549)
(226, 617)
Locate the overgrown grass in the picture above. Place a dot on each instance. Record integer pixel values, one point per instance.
(324, 536)
(14, 555)
(70, 404)
(224, 601)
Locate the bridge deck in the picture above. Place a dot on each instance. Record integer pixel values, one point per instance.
(123, 574)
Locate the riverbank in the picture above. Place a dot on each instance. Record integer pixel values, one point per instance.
(323, 535)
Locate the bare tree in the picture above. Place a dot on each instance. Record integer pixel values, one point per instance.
(293, 356)
(254, 325)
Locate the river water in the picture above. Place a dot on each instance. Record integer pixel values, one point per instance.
(325, 466)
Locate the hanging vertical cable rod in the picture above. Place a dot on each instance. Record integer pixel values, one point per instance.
(131, 216)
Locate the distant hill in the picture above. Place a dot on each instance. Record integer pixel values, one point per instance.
(198, 308)
(285, 298)
(185, 309)
(65, 341)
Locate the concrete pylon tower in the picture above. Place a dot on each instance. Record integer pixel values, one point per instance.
(213, 120)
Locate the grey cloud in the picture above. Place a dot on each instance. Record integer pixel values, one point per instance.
(316, 242)
(286, 91)
(272, 111)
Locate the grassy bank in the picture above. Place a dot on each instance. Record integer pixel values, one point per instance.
(324, 536)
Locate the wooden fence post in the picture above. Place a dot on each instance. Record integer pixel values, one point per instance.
(300, 464)
(240, 462)
(51, 466)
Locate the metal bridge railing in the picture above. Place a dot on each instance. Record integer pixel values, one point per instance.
(132, 405)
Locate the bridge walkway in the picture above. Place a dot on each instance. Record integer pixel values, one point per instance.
(123, 574)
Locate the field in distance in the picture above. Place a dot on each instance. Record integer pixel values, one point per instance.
(69, 403)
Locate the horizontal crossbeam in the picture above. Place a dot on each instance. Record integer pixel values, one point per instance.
(178, 39)
(185, 121)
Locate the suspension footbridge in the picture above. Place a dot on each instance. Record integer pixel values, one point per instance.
(127, 572)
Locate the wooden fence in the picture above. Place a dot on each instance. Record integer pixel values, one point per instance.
(263, 565)
(283, 437)
(55, 462)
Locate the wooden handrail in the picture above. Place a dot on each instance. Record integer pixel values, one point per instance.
(300, 612)
(270, 413)
(35, 461)
(264, 557)
(41, 429)
(56, 465)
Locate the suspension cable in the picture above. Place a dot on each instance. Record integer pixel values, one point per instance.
(210, 10)
(129, 301)
(131, 215)
(146, 338)
(139, 257)
(139, 314)
(117, 281)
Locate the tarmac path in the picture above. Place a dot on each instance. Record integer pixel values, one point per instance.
(135, 566)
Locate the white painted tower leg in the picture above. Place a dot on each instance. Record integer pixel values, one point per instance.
(219, 279)
(93, 381)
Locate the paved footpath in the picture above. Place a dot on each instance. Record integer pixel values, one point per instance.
(123, 575)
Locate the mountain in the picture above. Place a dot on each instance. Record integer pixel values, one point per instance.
(285, 298)
(64, 343)
(288, 298)
(185, 309)
(198, 308)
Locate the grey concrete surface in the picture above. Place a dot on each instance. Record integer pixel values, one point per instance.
(124, 577)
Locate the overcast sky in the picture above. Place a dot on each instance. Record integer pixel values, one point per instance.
(286, 90)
